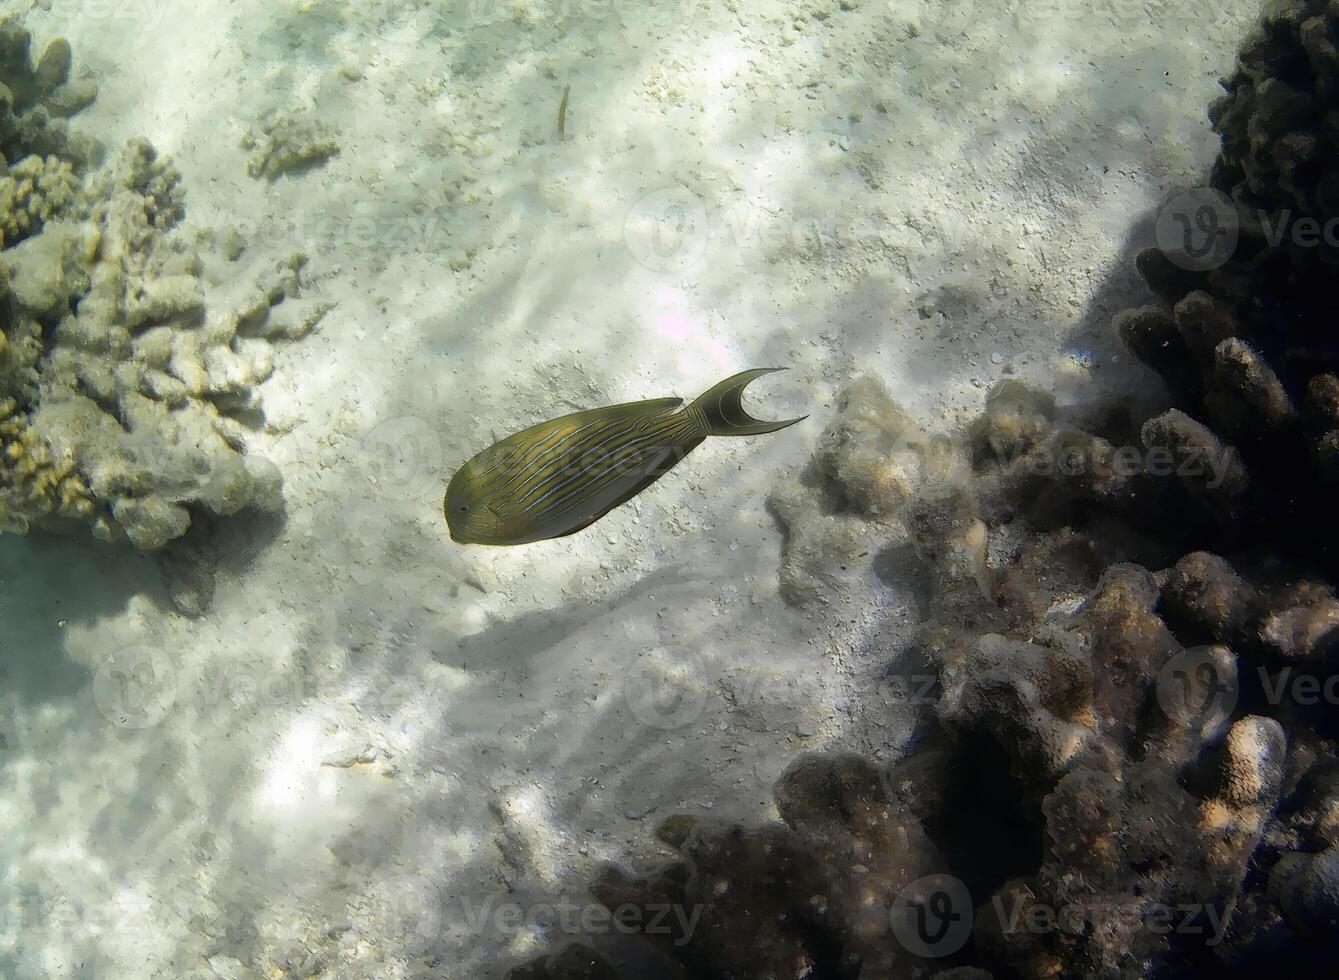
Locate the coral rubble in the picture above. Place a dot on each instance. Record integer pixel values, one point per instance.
(288, 144)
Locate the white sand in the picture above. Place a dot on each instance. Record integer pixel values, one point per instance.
(839, 172)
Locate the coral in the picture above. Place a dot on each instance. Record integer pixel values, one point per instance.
(1146, 805)
(867, 458)
(288, 144)
(34, 190)
(1016, 420)
(1244, 341)
(1205, 598)
(1118, 849)
(1126, 720)
(1032, 700)
(950, 540)
(805, 897)
(1101, 770)
(34, 483)
(1279, 145)
(127, 398)
(1098, 769)
(863, 471)
(38, 96)
(131, 382)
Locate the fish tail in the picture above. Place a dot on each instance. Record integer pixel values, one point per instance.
(722, 408)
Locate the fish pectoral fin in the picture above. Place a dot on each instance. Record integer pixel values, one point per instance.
(583, 525)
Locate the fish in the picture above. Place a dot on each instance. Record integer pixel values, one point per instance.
(558, 477)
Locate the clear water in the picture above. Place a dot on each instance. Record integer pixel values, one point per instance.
(375, 744)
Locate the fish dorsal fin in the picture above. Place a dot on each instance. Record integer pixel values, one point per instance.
(649, 407)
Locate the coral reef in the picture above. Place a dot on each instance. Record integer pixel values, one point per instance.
(1102, 777)
(1126, 764)
(125, 400)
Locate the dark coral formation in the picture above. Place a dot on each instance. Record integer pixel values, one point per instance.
(808, 896)
(1127, 764)
(1151, 776)
(1111, 786)
(38, 93)
(1245, 342)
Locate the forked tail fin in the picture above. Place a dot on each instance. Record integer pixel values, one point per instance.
(723, 409)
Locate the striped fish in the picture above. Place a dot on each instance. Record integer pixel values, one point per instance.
(558, 477)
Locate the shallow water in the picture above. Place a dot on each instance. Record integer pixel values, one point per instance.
(373, 737)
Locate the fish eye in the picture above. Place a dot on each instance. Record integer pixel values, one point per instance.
(463, 509)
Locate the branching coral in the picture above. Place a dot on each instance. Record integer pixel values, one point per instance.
(34, 191)
(1245, 341)
(33, 482)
